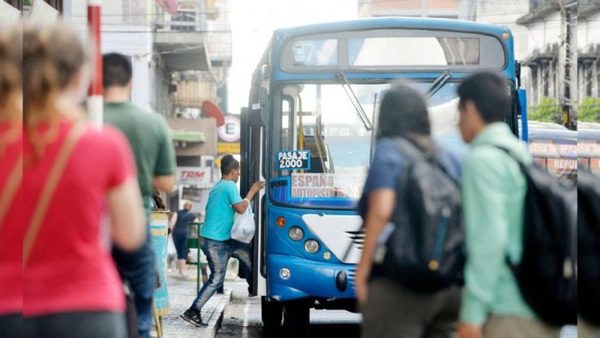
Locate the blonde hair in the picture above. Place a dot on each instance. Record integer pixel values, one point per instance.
(10, 76)
(52, 55)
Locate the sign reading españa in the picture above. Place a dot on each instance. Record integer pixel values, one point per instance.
(313, 185)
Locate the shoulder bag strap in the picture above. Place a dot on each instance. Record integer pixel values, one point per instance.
(54, 176)
(12, 184)
(521, 165)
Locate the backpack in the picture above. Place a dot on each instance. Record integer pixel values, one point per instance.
(588, 232)
(425, 251)
(546, 274)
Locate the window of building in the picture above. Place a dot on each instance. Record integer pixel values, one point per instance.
(184, 20)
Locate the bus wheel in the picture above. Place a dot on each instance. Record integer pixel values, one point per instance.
(271, 314)
(296, 318)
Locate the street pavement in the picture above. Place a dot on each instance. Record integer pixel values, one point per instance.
(181, 294)
(234, 314)
(242, 319)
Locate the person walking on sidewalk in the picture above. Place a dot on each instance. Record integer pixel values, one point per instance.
(11, 170)
(148, 136)
(223, 202)
(389, 308)
(179, 230)
(72, 175)
(494, 189)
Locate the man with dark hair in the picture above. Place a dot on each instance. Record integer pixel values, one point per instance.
(223, 202)
(117, 70)
(148, 136)
(493, 193)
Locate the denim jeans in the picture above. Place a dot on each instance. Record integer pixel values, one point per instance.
(217, 253)
(242, 252)
(139, 269)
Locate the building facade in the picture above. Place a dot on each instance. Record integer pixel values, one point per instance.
(180, 52)
(448, 9)
(550, 22)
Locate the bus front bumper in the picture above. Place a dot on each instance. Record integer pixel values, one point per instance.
(291, 278)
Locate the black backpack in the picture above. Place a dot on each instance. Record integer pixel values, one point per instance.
(546, 274)
(425, 252)
(588, 226)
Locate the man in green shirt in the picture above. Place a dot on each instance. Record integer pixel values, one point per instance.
(493, 200)
(151, 144)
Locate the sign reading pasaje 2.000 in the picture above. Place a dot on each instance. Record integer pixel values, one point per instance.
(293, 160)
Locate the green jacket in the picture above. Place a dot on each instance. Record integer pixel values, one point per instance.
(493, 193)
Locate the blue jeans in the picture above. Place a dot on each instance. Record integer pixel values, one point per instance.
(242, 252)
(139, 270)
(217, 253)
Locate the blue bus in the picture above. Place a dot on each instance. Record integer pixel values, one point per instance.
(554, 147)
(308, 132)
(588, 146)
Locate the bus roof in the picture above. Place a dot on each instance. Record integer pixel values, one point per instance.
(274, 53)
(393, 22)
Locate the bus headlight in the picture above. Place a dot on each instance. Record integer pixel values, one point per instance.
(296, 233)
(311, 246)
(285, 273)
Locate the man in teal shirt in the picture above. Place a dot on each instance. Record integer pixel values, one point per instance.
(152, 148)
(493, 200)
(223, 202)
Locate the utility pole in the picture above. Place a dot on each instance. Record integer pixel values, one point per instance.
(569, 87)
(94, 101)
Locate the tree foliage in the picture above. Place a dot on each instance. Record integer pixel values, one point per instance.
(589, 110)
(547, 111)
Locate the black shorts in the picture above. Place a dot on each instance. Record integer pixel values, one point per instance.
(76, 325)
(180, 241)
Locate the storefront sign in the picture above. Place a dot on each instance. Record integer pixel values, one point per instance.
(228, 148)
(194, 176)
(230, 130)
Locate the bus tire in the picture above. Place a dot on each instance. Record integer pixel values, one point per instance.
(271, 313)
(296, 319)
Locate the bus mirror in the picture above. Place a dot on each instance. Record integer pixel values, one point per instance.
(253, 115)
(518, 73)
(265, 71)
(522, 97)
(263, 99)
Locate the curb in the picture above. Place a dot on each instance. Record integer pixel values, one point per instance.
(216, 316)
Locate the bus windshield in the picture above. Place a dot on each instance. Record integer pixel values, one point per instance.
(323, 149)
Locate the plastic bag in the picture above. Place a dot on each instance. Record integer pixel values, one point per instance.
(243, 227)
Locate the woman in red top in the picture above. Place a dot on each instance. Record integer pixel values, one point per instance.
(70, 285)
(11, 171)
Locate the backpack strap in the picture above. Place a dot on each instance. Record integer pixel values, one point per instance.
(522, 166)
(54, 176)
(512, 266)
(411, 151)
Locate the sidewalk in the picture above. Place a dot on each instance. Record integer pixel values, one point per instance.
(181, 294)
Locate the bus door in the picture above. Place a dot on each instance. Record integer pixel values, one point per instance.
(253, 123)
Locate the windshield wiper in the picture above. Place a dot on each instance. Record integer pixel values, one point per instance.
(438, 84)
(354, 100)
